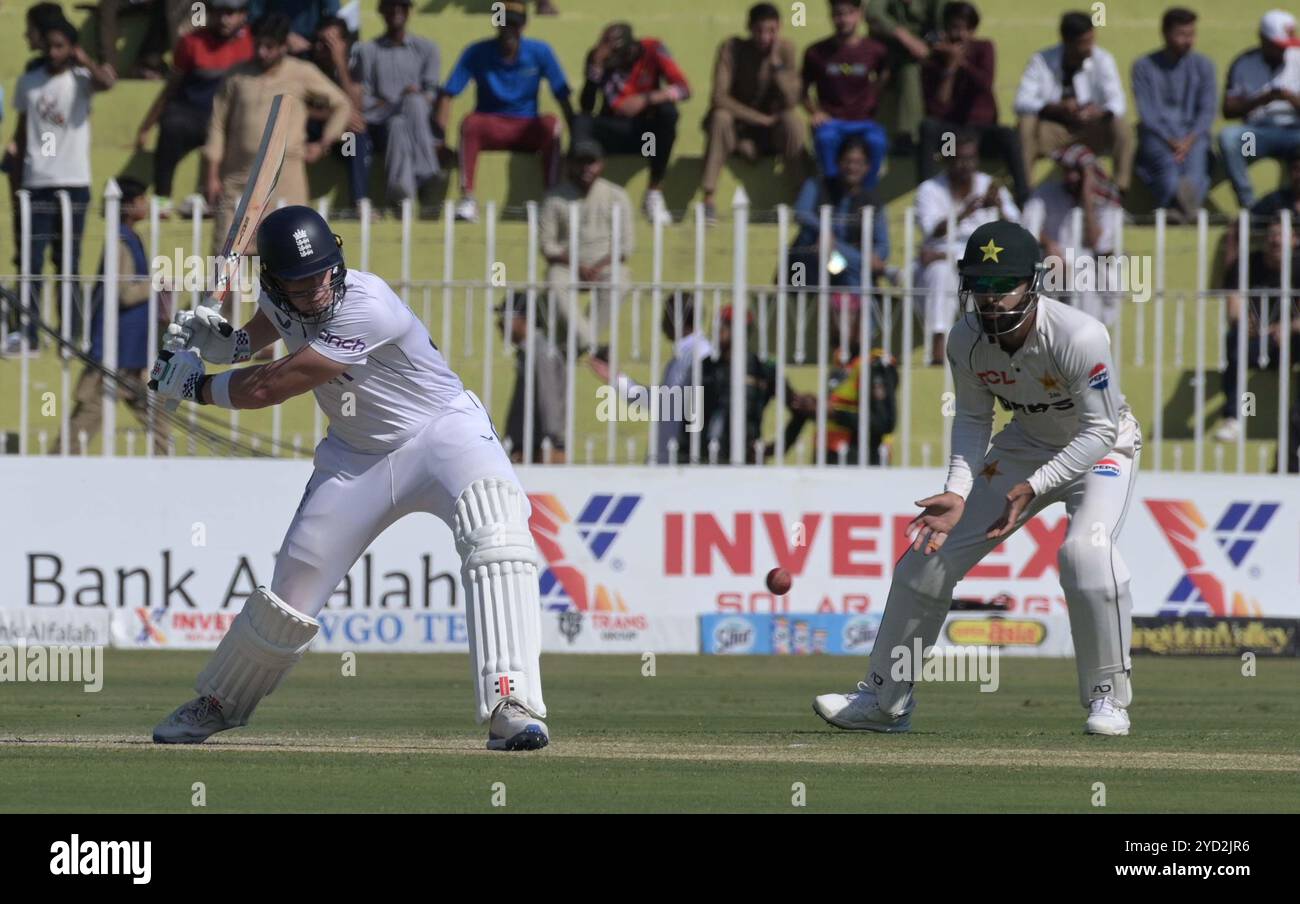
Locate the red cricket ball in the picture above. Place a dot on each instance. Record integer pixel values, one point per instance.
(779, 581)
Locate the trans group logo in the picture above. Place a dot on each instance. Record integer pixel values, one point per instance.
(582, 570)
(1212, 558)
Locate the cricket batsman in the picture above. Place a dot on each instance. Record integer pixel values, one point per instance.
(404, 436)
(1071, 439)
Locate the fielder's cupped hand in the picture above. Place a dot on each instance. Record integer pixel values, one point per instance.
(176, 375)
(1018, 498)
(930, 529)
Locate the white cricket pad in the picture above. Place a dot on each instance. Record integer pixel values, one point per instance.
(503, 605)
(265, 640)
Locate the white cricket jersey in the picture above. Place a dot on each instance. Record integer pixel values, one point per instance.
(396, 380)
(1060, 386)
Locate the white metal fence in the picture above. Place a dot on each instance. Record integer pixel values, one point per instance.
(1176, 338)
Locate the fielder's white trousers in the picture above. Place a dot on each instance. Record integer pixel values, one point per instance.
(1094, 578)
(353, 497)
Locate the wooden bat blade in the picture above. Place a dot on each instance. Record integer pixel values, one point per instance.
(263, 175)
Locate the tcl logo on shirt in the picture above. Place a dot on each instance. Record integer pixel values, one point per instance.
(996, 377)
(335, 341)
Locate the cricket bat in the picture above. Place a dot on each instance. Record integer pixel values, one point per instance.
(262, 177)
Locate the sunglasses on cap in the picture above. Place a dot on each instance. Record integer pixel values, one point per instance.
(992, 285)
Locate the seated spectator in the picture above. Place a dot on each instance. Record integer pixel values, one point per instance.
(847, 194)
(845, 72)
(1265, 211)
(843, 399)
(1263, 91)
(672, 440)
(755, 93)
(53, 104)
(957, 83)
(304, 18)
(239, 113)
(1175, 93)
(1049, 215)
(183, 107)
(168, 21)
(1071, 93)
(639, 86)
(599, 202)
(398, 75)
(760, 389)
(550, 383)
(507, 72)
(906, 28)
(1264, 270)
(332, 53)
(134, 356)
(973, 198)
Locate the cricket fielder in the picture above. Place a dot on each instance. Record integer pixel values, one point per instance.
(404, 436)
(1071, 439)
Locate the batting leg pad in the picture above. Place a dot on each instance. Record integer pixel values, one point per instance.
(503, 602)
(265, 640)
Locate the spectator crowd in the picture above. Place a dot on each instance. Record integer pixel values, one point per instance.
(385, 103)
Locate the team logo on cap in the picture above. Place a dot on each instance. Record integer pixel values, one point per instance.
(991, 252)
(303, 242)
(1099, 377)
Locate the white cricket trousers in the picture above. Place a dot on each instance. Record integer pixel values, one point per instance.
(352, 497)
(1094, 578)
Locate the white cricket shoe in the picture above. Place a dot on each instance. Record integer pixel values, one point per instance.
(1106, 717)
(860, 712)
(515, 728)
(192, 723)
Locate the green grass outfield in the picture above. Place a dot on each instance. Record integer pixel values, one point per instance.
(706, 734)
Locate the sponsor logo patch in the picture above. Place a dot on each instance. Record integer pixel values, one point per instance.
(1099, 377)
(1107, 467)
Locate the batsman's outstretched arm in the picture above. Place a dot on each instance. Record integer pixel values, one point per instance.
(265, 385)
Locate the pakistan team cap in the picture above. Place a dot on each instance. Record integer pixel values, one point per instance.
(1000, 249)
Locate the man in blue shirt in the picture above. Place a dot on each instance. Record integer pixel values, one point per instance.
(507, 72)
(1176, 92)
(1264, 91)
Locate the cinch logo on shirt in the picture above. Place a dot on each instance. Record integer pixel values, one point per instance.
(347, 345)
(1099, 378)
(1107, 467)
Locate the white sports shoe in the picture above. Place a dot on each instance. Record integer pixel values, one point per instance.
(514, 728)
(467, 210)
(656, 208)
(1106, 717)
(860, 712)
(192, 723)
(1228, 431)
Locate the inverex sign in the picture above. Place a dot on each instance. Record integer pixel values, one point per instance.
(628, 549)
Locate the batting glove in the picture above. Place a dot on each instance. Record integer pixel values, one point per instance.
(177, 375)
(207, 332)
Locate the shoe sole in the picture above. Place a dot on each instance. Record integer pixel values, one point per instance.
(1105, 733)
(898, 728)
(531, 738)
(163, 739)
